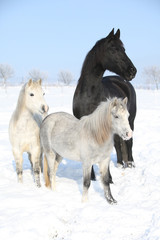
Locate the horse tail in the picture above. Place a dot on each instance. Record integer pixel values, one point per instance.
(45, 173)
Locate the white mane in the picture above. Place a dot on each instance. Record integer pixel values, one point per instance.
(98, 124)
(20, 103)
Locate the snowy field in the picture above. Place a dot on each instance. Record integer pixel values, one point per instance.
(31, 213)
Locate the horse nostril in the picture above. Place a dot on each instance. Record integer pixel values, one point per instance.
(45, 108)
(129, 134)
(133, 70)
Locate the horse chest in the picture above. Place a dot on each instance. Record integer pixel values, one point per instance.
(27, 125)
(26, 131)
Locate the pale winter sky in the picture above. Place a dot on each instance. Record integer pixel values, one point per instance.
(54, 35)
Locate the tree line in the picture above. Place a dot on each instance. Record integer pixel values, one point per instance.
(151, 75)
(65, 77)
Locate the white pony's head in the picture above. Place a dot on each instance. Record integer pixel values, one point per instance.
(120, 115)
(34, 97)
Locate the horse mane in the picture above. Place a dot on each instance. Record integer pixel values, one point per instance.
(20, 102)
(97, 125)
(93, 56)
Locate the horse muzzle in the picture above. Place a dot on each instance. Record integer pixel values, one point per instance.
(131, 72)
(127, 135)
(44, 108)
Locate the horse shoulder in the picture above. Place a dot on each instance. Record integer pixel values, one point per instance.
(25, 128)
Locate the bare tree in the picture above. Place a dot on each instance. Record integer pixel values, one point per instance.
(36, 74)
(152, 75)
(65, 77)
(6, 72)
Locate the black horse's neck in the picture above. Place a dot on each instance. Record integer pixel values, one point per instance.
(91, 78)
(92, 71)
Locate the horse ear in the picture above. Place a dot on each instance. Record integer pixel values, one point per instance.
(30, 82)
(114, 103)
(117, 34)
(111, 34)
(125, 100)
(39, 81)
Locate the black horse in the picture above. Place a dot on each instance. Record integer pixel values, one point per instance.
(92, 88)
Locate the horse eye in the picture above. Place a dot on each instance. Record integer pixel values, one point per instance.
(43, 94)
(31, 94)
(116, 116)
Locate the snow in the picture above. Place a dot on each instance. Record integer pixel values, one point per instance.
(28, 212)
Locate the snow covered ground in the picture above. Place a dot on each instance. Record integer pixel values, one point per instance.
(27, 212)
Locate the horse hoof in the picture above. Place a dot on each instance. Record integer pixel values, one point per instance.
(84, 199)
(120, 166)
(112, 201)
(130, 165)
(38, 184)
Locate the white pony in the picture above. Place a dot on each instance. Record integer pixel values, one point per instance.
(24, 127)
(89, 140)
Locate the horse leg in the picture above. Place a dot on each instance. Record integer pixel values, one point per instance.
(52, 167)
(41, 161)
(117, 145)
(57, 161)
(35, 158)
(109, 175)
(86, 181)
(105, 178)
(19, 162)
(130, 162)
(124, 151)
(29, 157)
(129, 145)
(93, 176)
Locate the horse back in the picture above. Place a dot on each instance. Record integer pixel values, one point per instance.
(115, 86)
(85, 102)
